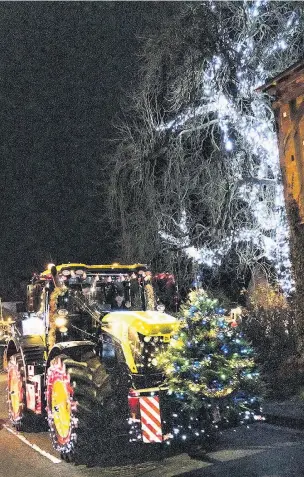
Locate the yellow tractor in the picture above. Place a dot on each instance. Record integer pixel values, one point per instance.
(84, 356)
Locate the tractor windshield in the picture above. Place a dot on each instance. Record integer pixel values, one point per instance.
(107, 292)
(119, 291)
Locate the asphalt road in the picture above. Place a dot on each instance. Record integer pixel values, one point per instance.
(261, 450)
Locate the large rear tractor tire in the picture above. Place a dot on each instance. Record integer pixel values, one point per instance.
(77, 396)
(16, 392)
(20, 417)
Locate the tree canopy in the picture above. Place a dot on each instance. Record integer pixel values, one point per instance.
(196, 172)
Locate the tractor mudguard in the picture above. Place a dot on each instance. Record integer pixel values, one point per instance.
(31, 348)
(70, 348)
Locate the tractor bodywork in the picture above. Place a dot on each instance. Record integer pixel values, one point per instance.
(87, 348)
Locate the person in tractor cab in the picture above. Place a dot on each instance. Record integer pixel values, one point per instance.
(116, 296)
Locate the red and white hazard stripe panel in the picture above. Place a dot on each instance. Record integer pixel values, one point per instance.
(150, 419)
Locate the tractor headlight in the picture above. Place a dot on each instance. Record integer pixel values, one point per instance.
(60, 321)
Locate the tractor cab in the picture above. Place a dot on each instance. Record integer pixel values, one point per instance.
(107, 287)
(73, 299)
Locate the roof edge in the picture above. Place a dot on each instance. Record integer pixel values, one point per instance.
(273, 82)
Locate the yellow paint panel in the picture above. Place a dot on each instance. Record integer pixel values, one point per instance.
(61, 408)
(113, 266)
(148, 323)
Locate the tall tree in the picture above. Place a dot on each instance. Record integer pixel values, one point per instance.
(196, 172)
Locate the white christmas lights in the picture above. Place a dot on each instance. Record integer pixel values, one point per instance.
(249, 129)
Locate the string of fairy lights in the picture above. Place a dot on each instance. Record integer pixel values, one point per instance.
(211, 379)
(247, 130)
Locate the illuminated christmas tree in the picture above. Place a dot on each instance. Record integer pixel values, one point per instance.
(210, 371)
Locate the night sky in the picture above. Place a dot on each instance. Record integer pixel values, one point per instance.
(64, 70)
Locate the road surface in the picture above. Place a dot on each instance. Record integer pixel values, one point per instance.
(261, 450)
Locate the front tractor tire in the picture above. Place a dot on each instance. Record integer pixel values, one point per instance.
(76, 393)
(16, 392)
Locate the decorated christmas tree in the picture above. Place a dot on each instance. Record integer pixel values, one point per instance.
(210, 371)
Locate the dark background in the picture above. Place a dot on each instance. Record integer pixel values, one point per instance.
(64, 70)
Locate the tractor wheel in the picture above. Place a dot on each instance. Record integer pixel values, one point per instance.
(16, 391)
(78, 403)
